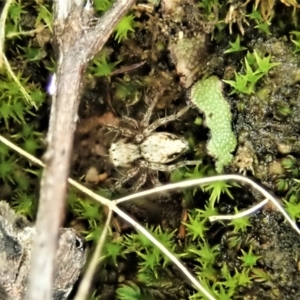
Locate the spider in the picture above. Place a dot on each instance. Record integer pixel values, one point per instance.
(142, 149)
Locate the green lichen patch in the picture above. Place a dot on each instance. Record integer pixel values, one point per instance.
(207, 96)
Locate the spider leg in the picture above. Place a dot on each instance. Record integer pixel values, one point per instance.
(154, 179)
(121, 130)
(169, 168)
(140, 182)
(130, 174)
(148, 114)
(164, 121)
(183, 164)
(132, 122)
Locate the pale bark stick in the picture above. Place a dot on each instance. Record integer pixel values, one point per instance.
(75, 43)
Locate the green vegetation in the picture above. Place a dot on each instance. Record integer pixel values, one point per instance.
(248, 258)
(128, 90)
(240, 224)
(222, 281)
(126, 24)
(224, 14)
(292, 199)
(123, 28)
(255, 67)
(214, 190)
(101, 67)
(22, 94)
(288, 185)
(295, 38)
(87, 211)
(102, 5)
(129, 291)
(235, 46)
(207, 96)
(209, 8)
(262, 25)
(152, 276)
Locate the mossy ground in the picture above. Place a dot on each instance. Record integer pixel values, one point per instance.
(153, 62)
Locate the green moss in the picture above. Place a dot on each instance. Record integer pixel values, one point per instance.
(126, 25)
(208, 98)
(22, 81)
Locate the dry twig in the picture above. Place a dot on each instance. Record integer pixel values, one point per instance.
(75, 43)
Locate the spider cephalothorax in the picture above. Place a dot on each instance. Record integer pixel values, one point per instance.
(143, 149)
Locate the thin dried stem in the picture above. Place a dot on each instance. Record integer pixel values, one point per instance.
(88, 276)
(2, 28)
(241, 214)
(200, 181)
(17, 81)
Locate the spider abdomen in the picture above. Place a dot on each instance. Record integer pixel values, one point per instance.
(163, 147)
